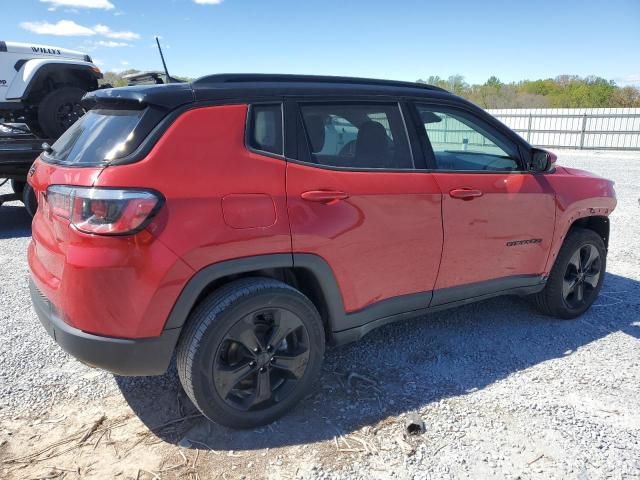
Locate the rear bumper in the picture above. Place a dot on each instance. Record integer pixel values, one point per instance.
(131, 357)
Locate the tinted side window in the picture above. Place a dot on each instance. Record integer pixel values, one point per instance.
(265, 128)
(357, 135)
(461, 142)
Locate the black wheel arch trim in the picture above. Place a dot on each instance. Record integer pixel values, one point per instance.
(316, 265)
(52, 67)
(206, 276)
(336, 316)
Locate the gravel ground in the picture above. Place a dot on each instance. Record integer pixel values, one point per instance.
(504, 392)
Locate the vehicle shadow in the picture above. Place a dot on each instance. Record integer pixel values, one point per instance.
(400, 368)
(15, 222)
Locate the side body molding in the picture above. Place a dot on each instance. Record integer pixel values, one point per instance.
(344, 327)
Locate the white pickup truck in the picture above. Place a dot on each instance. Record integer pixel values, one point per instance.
(40, 91)
(42, 86)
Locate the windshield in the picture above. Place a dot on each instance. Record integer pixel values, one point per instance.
(98, 137)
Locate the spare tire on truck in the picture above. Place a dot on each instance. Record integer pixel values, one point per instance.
(59, 109)
(18, 187)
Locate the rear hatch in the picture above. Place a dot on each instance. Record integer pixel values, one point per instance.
(76, 159)
(113, 132)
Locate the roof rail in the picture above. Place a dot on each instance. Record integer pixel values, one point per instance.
(292, 78)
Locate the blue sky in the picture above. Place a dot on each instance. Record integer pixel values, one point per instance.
(400, 39)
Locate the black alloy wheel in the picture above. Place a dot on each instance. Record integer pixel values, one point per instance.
(250, 352)
(582, 276)
(576, 277)
(261, 358)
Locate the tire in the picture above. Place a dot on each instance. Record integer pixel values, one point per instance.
(224, 377)
(29, 199)
(580, 244)
(59, 109)
(18, 187)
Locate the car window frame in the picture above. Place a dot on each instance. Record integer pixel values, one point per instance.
(430, 156)
(300, 150)
(249, 124)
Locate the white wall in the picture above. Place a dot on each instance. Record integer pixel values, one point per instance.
(604, 128)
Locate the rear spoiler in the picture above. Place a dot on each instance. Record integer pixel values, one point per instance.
(138, 97)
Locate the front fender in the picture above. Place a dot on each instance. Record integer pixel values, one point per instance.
(32, 70)
(578, 195)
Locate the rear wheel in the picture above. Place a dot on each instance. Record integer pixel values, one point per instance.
(250, 352)
(576, 277)
(59, 109)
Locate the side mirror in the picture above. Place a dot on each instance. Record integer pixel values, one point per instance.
(542, 161)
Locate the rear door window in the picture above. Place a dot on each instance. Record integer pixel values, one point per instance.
(354, 135)
(100, 136)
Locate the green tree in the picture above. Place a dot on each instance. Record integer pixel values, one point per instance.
(563, 91)
(494, 82)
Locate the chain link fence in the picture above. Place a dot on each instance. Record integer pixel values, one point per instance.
(579, 128)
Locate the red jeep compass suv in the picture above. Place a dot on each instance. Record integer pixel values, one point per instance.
(244, 221)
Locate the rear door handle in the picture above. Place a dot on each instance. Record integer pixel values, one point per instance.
(324, 196)
(465, 193)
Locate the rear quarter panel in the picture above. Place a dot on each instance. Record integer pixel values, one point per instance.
(222, 200)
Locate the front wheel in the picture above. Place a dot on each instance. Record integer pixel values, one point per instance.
(250, 352)
(576, 277)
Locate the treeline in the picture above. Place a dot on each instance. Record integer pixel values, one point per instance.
(564, 91)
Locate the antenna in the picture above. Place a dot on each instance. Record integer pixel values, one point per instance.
(163, 62)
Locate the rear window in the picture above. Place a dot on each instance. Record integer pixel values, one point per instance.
(99, 136)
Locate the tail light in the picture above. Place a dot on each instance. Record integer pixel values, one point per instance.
(103, 211)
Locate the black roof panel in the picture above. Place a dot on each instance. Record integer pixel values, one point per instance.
(239, 86)
(237, 78)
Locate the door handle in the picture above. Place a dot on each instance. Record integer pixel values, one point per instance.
(324, 196)
(465, 193)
